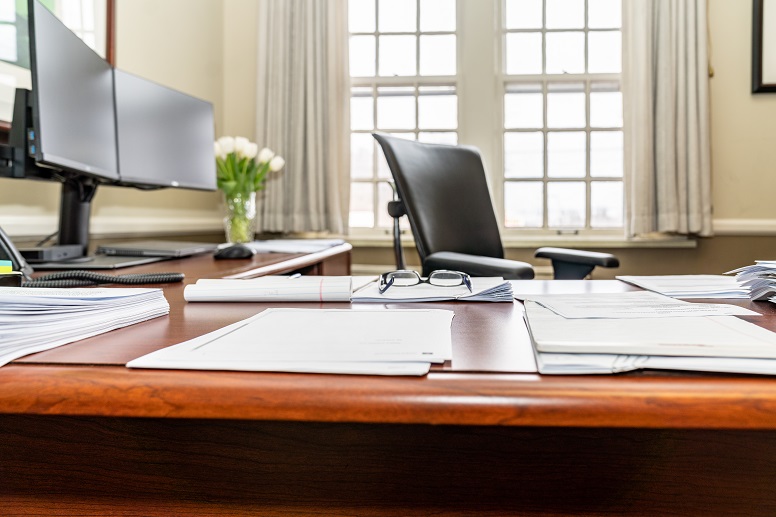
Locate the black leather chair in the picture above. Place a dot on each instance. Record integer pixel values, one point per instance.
(443, 191)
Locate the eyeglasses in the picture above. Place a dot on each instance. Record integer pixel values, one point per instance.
(408, 278)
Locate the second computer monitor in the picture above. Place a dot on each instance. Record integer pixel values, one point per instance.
(165, 137)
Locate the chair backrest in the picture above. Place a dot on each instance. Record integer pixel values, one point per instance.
(445, 193)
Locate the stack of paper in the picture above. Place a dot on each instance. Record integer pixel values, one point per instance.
(271, 288)
(374, 342)
(37, 319)
(759, 278)
(627, 331)
(691, 286)
(484, 289)
(293, 245)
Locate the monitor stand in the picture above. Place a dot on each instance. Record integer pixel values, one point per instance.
(97, 262)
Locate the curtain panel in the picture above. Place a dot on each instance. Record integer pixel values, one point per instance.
(666, 101)
(303, 97)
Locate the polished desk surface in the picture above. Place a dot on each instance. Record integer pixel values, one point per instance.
(82, 435)
(483, 385)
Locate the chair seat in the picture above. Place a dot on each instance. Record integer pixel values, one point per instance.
(478, 265)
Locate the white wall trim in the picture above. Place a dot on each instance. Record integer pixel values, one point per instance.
(745, 227)
(113, 226)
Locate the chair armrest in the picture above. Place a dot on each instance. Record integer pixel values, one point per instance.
(478, 265)
(575, 264)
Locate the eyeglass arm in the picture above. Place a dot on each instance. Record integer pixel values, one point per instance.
(396, 210)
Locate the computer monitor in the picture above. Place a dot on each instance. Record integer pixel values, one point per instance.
(66, 127)
(72, 100)
(165, 137)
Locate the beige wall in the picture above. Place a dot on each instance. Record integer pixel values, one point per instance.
(743, 135)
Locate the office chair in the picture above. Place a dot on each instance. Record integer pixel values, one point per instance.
(443, 191)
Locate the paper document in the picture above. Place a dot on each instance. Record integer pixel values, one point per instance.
(581, 364)
(633, 304)
(377, 342)
(271, 288)
(759, 278)
(293, 245)
(37, 319)
(690, 286)
(484, 289)
(704, 336)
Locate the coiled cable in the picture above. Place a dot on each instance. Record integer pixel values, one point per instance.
(86, 278)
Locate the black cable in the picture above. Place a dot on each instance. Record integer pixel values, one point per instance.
(84, 278)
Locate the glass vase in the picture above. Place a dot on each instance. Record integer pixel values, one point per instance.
(240, 219)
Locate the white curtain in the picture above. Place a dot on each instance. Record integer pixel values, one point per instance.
(666, 99)
(303, 114)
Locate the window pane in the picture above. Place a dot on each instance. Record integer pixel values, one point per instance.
(437, 15)
(396, 110)
(362, 155)
(361, 15)
(361, 205)
(437, 111)
(565, 14)
(524, 14)
(8, 43)
(604, 52)
(70, 14)
(361, 113)
(606, 210)
(566, 154)
(397, 15)
(605, 109)
(604, 14)
(384, 194)
(397, 55)
(606, 157)
(565, 52)
(524, 155)
(438, 137)
(362, 56)
(437, 55)
(7, 11)
(523, 110)
(524, 204)
(566, 109)
(88, 20)
(524, 53)
(566, 204)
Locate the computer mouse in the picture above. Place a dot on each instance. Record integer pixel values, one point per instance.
(234, 251)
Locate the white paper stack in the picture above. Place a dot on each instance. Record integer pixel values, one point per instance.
(271, 288)
(344, 341)
(759, 278)
(691, 286)
(629, 331)
(37, 319)
(484, 289)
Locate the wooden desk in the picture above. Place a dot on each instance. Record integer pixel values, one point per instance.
(81, 434)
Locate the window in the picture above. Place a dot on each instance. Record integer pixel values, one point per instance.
(403, 70)
(540, 96)
(563, 135)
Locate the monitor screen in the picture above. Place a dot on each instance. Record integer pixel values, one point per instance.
(165, 137)
(72, 105)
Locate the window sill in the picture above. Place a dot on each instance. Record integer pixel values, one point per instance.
(561, 241)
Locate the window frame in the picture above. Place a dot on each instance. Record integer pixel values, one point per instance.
(481, 73)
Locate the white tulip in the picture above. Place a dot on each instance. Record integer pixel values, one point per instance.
(276, 163)
(250, 151)
(218, 151)
(265, 155)
(239, 144)
(227, 144)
